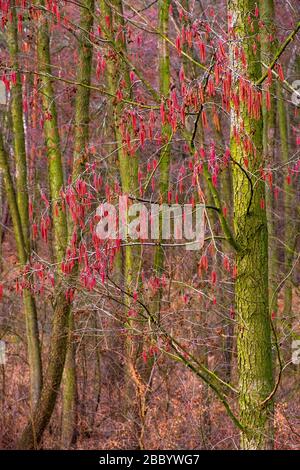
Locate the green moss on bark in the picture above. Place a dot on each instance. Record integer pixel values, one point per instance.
(251, 289)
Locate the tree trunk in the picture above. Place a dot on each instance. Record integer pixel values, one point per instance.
(251, 290)
(267, 13)
(69, 411)
(117, 69)
(289, 229)
(80, 157)
(164, 166)
(33, 432)
(33, 343)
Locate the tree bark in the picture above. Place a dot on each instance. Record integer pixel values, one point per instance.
(33, 432)
(251, 290)
(81, 138)
(289, 229)
(117, 69)
(267, 13)
(164, 165)
(21, 192)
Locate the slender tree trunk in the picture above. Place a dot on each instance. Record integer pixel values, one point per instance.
(267, 14)
(229, 344)
(97, 382)
(164, 167)
(33, 343)
(33, 432)
(55, 167)
(128, 164)
(289, 230)
(69, 412)
(29, 307)
(118, 70)
(80, 157)
(18, 128)
(251, 291)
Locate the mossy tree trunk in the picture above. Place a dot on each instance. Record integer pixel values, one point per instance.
(21, 192)
(69, 410)
(55, 167)
(289, 229)
(164, 166)
(229, 343)
(81, 139)
(251, 289)
(118, 71)
(33, 432)
(268, 49)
